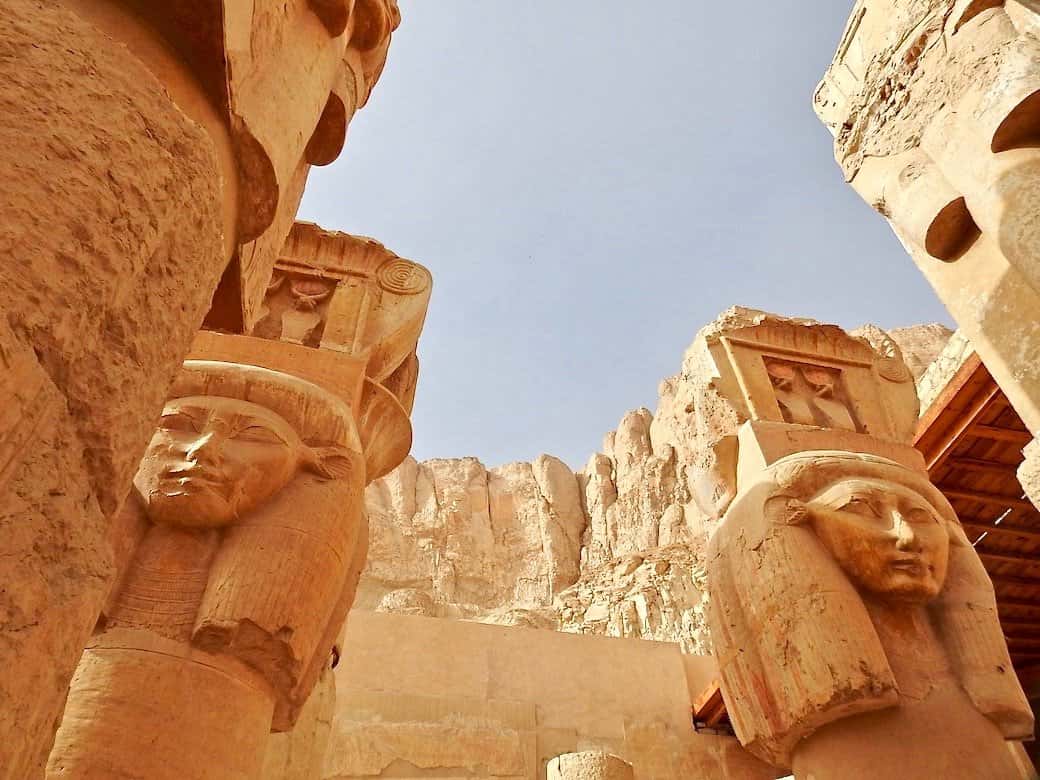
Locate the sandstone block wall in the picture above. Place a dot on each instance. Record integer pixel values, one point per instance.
(420, 697)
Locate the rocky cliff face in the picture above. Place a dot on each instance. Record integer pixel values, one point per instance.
(614, 549)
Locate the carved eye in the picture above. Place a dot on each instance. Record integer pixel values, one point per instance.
(862, 507)
(920, 516)
(178, 422)
(259, 434)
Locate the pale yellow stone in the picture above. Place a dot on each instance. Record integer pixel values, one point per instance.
(588, 766)
(427, 697)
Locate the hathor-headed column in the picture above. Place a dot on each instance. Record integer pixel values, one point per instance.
(246, 533)
(855, 628)
(152, 159)
(935, 110)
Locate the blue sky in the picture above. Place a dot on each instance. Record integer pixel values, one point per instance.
(590, 181)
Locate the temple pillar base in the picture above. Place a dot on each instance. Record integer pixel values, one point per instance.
(938, 737)
(589, 766)
(161, 711)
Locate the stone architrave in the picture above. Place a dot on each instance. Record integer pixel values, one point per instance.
(854, 626)
(589, 766)
(241, 548)
(935, 110)
(152, 154)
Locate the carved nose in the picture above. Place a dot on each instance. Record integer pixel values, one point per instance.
(906, 539)
(204, 449)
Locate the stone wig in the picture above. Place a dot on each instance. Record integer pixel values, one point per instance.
(795, 644)
(319, 418)
(283, 578)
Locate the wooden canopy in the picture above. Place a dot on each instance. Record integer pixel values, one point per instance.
(972, 442)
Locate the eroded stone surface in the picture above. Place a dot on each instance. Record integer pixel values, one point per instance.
(933, 106)
(152, 150)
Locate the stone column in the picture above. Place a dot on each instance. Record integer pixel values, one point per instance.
(246, 535)
(854, 626)
(589, 766)
(936, 119)
(152, 153)
(1029, 472)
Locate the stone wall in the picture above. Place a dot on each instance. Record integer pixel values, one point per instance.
(419, 697)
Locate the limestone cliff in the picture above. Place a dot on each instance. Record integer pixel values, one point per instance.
(614, 549)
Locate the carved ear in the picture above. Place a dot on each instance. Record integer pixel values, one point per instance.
(786, 510)
(331, 462)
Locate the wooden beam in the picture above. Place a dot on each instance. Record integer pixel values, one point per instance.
(1004, 529)
(709, 708)
(984, 466)
(1017, 641)
(1021, 628)
(1014, 579)
(971, 369)
(965, 420)
(1020, 603)
(1001, 434)
(988, 498)
(1009, 556)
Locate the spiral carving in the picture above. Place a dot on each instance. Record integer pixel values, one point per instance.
(402, 277)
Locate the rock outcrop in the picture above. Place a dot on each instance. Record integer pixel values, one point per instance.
(615, 549)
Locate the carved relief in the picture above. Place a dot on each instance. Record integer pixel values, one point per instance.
(351, 295)
(402, 277)
(810, 395)
(296, 308)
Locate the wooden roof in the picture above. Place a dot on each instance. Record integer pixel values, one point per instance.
(972, 441)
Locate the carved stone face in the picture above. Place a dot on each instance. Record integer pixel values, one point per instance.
(888, 539)
(214, 459)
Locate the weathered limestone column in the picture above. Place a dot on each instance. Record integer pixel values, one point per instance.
(1029, 472)
(246, 534)
(151, 154)
(589, 766)
(855, 628)
(935, 109)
